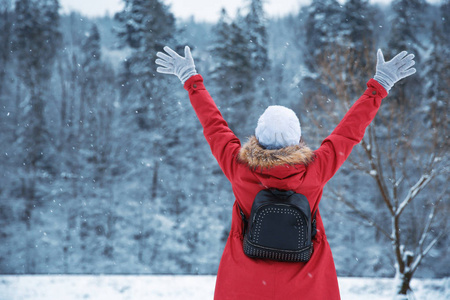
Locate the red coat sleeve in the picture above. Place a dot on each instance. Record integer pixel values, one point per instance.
(335, 149)
(223, 142)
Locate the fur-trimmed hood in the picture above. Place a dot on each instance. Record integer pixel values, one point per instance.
(254, 155)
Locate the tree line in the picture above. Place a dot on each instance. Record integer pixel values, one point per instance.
(105, 168)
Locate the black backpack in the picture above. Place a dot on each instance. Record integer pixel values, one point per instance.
(280, 227)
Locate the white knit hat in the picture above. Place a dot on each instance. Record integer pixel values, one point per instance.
(278, 127)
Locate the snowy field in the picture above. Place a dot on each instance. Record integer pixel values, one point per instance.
(74, 287)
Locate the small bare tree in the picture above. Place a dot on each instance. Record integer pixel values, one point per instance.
(404, 156)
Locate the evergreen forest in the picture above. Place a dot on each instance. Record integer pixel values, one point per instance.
(104, 167)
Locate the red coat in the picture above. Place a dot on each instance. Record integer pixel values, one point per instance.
(295, 168)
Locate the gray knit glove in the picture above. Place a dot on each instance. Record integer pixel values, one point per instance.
(175, 64)
(388, 73)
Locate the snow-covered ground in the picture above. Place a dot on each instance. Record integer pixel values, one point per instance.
(112, 287)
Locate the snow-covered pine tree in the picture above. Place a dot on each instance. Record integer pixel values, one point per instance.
(408, 33)
(256, 34)
(358, 41)
(241, 63)
(325, 50)
(221, 51)
(407, 27)
(146, 27)
(36, 42)
(358, 25)
(37, 37)
(233, 72)
(323, 30)
(35, 45)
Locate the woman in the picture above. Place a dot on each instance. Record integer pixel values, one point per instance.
(275, 158)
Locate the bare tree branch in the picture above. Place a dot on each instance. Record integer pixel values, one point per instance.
(421, 255)
(377, 174)
(414, 191)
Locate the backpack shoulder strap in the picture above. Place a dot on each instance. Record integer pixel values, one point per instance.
(313, 227)
(244, 219)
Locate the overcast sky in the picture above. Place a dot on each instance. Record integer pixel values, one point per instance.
(202, 10)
